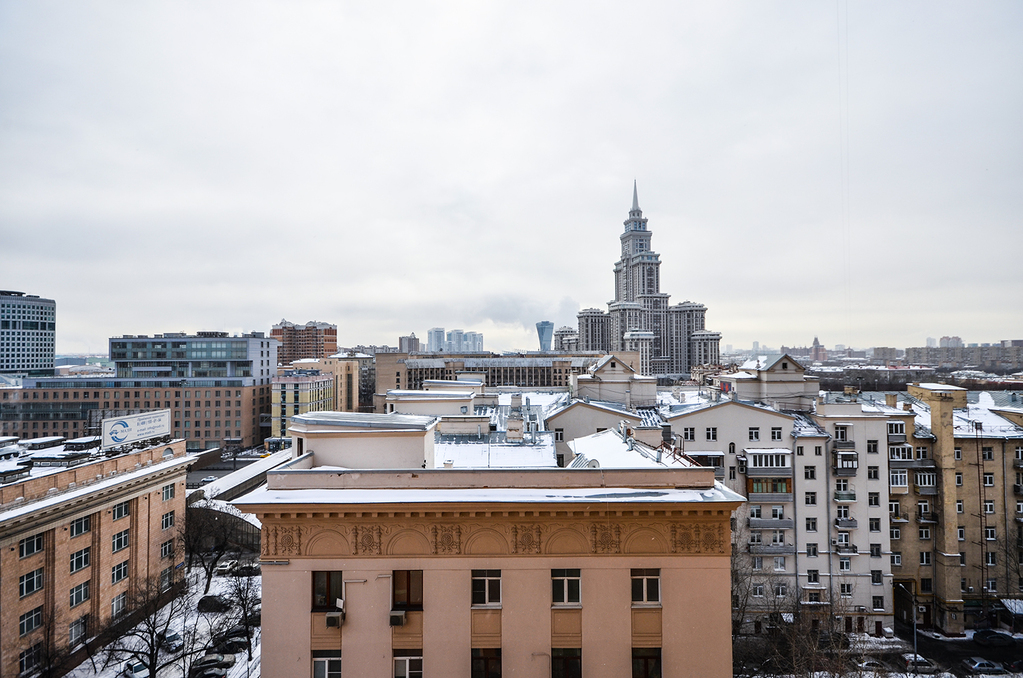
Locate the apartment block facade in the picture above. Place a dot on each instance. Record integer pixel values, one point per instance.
(27, 332)
(297, 392)
(312, 340)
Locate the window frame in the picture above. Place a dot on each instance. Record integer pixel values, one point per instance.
(646, 584)
(562, 589)
(485, 590)
(410, 595)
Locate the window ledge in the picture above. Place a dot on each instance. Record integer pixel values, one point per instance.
(566, 606)
(646, 606)
(489, 606)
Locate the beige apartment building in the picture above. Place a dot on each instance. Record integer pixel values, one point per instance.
(413, 569)
(76, 533)
(297, 392)
(346, 371)
(312, 340)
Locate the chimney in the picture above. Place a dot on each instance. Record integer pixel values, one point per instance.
(891, 399)
(666, 433)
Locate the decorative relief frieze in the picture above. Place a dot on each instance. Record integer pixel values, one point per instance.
(525, 539)
(282, 541)
(447, 539)
(366, 540)
(606, 538)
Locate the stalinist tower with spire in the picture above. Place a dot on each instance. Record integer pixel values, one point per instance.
(640, 317)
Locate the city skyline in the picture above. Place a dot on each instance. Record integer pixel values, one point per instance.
(845, 171)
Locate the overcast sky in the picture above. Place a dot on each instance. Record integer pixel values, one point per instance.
(808, 168)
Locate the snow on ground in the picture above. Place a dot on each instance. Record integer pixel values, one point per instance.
(241, 669)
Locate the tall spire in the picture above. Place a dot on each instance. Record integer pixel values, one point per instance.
(635, 197)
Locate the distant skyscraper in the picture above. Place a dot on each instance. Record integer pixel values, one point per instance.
(566, 339)
(931, 342)
(409, 344)
(756, 347)
(312, 340)
(435, 340)
(27, 333)
(680, 339)
(454, 341)
(545, 330)
(472, 342)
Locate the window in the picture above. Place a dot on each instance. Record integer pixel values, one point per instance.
(875, 524)
(990, 533)
(878, 602)
(30, 621)
(118, 605)
(486, 587)
(754, 511)
(79, 594)
(565, 587)
(731, 473)
(166, 578)
(566, 662)
(989, 480)
(327, 667)
(776, 433)
(896, 428)
(810, 473)
(486, 662)
(811, 550)
(962, 558)
(758, 590)
(167, 549)
(646, 586)
(958, 453)
(755, 537)
(921, 453)
(844, 564)
(754, 433)
(873, 498)
(897, 477)
(80, 526)
(872, 447)
(689, 433)
(122, 510)
(959, 505)
(990, 558)
(780, 590)
(961, 533)
(991, 585)
(120, 541)
(900, 453)
(408, 664)
(168, 491)
(119, 572)
(986, 453)
(926, 585)
(777, 512)
(80, 560)
(77, 630)
(959, 479)
(897, 558)
(925, 533)
(779, 563)
(989, 506)
(845, 590)
(894, 509)
(559, 435)
(818, 450)
(925, 478)
(407, 586)
(327, 588)
(712, 433)
(30, 659)
(30, 583)
(758, 563)
(799, 450)
(646, 662)
(167, 520)
(30, 545)
(925, 557)
(875, 578)
(811, 524)
(841, 434)
(895, 533)
(813, 577)
(873, 473)
(811, 499)
(875, 550)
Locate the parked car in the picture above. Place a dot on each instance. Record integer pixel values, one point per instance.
(915, 663)
(232, 645)
(1015, 665)
(254, 618)
(134, 669)
(208, 479)
(237, 631)
(989, 638)
(170, 640)
(214, 604)
(871, 664)
(209, 672)
(247, 570)
(981, 666)
(225, 567)
(214, 661)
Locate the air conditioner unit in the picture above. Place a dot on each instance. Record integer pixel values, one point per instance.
(834, 542)
(398, 618)
(921, 608)
(862, 608)
(335, 619)
(969, 589)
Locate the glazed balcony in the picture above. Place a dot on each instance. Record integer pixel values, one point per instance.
(847, 495)
(772, 549)
(771, 523)
(846, 523)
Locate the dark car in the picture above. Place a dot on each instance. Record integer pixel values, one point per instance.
(232, 645)
(989, 638)
(247, 570)
(214, 604)
(254, 618)
(237, 631)
(213, 661)
(208, 672)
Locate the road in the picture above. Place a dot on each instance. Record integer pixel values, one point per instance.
(948, 652)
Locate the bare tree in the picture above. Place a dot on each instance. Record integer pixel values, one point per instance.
(245, 594)
(206, 536)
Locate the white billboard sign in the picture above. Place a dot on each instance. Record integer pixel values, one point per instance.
(121, 430)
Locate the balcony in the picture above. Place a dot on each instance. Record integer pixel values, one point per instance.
(912, 463)
(719, 472)
(776, 497)
(772, 549)
(771, 523)
(846, 523)
(846, 549)
(1017, 490)
(927, 517)
(848, 495)
(896, 438)
(926, 490)
(775, 472)
(898, 518)
(1017, 463)
(843, 445)
(843, 471)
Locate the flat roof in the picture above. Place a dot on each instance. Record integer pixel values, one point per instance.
(366, 420)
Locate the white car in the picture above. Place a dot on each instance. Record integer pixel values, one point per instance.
(226, 567)
(208, 479)
(134, 669)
